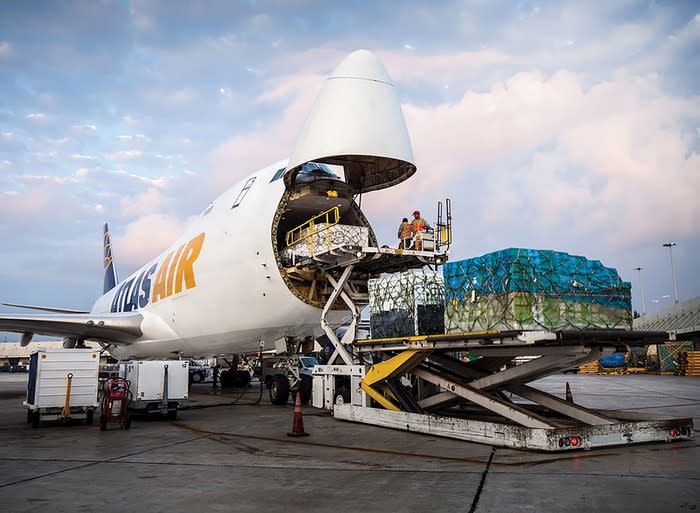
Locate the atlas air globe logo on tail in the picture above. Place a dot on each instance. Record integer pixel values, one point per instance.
(171, 276)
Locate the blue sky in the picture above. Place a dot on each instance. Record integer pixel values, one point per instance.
(560, 125)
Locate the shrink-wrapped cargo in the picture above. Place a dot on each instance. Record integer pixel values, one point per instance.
(406, 304)
(321, 238)
(528, 289)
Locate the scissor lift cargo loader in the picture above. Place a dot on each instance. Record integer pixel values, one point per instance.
(480, 401)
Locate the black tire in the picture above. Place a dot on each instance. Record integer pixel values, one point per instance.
(268, 382)
(226, 379)
(29, 416)
(241, 379)
(89, 417)
(171, 415)
(197, 377)
(103, 422)
(127, 424)
(279, 389)
(36, 417)
(306, 389)
(342, 395)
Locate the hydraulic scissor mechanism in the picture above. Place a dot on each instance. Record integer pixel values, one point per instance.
(481, 383)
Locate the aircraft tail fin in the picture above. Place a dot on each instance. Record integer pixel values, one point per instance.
(110, 277)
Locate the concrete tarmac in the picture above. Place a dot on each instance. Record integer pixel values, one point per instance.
(238, 458)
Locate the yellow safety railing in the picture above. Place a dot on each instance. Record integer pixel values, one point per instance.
(329, 218)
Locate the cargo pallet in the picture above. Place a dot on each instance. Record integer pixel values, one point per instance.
(417, 386)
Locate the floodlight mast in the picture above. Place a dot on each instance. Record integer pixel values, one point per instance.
(670, 245)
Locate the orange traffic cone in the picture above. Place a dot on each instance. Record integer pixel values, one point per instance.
(298, 424)
(569, 395)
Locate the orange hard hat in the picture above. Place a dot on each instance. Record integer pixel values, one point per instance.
(416, 212)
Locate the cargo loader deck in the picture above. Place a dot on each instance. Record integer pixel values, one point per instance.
(417, 384)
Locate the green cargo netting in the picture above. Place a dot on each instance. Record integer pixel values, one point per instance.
(669, 354)
(534, 289)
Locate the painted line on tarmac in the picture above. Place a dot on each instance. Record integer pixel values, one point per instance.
(109, 460)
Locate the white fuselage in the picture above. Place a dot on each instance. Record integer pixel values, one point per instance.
(235, 297)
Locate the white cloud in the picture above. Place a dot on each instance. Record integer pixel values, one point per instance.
(130, 120)
(5, 164)
(5, 49)
(82, 173)
(150, 201)
(36, 116)
(79, 156)
(123, 155)
(180, 97)
(84, 129)
(10, 193)
(617, 155)
(161, 181)
(145, 238)
(136, 137)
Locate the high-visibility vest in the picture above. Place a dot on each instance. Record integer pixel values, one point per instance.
(405, 231)
(418, 225)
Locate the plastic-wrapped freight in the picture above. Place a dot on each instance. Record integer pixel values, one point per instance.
(406, 304)
(321, 239)
(531, 289)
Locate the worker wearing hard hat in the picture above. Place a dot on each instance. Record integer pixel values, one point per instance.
(405, 234)
(418, 227)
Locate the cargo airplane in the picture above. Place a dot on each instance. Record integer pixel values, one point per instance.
(232, 279)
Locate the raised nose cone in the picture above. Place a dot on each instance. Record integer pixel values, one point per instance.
(357, 122)
(362, 64)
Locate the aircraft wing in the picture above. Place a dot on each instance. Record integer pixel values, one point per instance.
(115, 328)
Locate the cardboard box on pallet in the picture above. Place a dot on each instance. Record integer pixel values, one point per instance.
(529, 289)
(407, 304)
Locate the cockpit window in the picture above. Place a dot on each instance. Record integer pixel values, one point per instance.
(279, 174)
(312, 171)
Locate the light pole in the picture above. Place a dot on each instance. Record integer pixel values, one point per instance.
(641, 288)
(670, 245)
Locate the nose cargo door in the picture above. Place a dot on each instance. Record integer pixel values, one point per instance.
(357, 123)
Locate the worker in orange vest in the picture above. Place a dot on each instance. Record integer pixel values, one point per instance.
(405, 234)
(418, 225)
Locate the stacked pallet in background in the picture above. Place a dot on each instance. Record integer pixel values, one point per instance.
(530, 289)
(688, 364)
(589, 368)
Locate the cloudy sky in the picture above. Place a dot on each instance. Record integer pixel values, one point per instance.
(572, 126)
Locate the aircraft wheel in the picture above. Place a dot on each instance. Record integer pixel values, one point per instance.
(279, 389)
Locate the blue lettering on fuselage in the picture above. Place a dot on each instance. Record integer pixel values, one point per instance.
(134, 293)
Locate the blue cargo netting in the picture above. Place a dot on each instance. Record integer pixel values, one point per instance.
(534, 289)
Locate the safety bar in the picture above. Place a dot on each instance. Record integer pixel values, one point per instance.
(330, 217)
